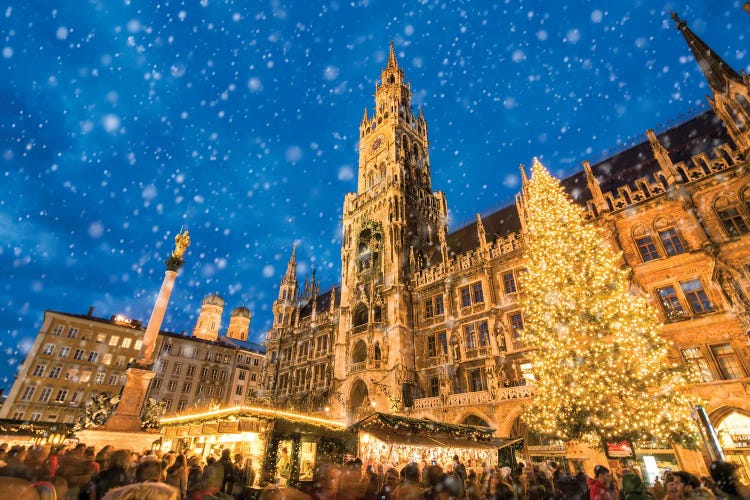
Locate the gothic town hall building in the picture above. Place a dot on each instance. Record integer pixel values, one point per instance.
(426, 322)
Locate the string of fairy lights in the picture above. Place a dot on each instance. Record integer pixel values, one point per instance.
(598, 354)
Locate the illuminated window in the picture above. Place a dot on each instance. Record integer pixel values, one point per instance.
(732, 220)
(696, 296)
(107, 359)
(647, 248)
(516, 324)
(670, 304)
(727, 361)
(509, 283)
(101, 338)
(475, 380)
(126, 342)
(85, 376)
(114, 340)
(477, 293)
(671, 241)
(434, 387)
(470, 337)
(431, 346)
(138, 344)
(465, 296)
(697, 363)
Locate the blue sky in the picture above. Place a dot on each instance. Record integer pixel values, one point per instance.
(123, 121)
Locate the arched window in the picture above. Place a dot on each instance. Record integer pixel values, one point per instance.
(645, 244)
(360, 315)
(670, 237)
(728, 211)
(359, 353)
(377, 314)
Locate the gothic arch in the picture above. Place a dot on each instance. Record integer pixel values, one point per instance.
(359, 352)
(360, 316)
(477, 419)
(723, 201)
(358, 394)
(662, 222)
(640, 231)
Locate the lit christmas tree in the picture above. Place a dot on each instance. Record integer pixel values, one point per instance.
(601, 365)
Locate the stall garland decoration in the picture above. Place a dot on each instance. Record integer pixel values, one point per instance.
(425, 427)
(34, 429)
(232, 414)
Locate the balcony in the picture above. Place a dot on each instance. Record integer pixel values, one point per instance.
(356, 367)
(518, 392)
(359, 329)
(469, 398)
(428, 403)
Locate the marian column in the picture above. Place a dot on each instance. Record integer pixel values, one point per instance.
(127, 415)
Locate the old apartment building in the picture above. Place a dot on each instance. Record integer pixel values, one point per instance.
(76, 357)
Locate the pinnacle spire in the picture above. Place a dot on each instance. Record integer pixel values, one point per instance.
(524, 179)
(714, 68)
(365, 117)
(392, 63)
(291, 267)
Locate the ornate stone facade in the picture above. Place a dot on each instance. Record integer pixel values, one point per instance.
(427, 323)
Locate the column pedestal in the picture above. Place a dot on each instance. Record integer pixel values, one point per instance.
(127, 416)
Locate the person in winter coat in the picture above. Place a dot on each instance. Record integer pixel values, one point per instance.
(177, 475)
(599, 486)
(633, 488)
(114, 476)
(690, 486)
(727, 482)
(76, 469)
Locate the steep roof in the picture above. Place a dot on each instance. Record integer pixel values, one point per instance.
(700, 134)
(322, 303)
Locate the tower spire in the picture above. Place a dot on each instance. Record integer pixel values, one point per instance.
(714, 68)
(392, 62)
(291, 267)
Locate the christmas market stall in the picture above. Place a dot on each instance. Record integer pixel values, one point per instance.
(28, 433)
(277, 445)
(394, 440)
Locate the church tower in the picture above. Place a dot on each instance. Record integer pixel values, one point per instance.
(731, 92)
(393, 214)
(239, 323)
(283, 306)
(209, 319)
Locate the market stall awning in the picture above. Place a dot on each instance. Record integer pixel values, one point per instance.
(397, 429)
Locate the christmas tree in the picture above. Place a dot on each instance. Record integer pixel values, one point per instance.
(601, 365)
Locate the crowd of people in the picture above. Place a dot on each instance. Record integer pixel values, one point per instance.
(81, 473)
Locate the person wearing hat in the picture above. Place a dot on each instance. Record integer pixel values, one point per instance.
(601, 487)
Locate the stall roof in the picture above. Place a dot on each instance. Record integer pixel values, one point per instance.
(398, 429)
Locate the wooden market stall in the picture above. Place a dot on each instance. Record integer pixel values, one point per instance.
(282, 446)
(26, 433)
(394, 440)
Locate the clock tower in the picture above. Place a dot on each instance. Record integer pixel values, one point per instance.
(390, 228)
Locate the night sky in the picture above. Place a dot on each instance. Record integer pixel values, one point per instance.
(122, 121)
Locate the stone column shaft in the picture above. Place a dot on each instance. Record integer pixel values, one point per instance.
(157, 317)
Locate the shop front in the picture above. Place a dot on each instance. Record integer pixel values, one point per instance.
(734, 436)
(280, 446)
(394, 440)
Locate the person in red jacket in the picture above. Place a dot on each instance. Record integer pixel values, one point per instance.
(601, 487)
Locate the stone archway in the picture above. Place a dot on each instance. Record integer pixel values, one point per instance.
(359, 352)
(359, 400)
(475, 420)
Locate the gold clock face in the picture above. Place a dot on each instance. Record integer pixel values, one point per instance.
(376, 143)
